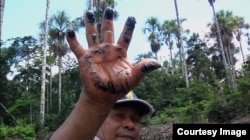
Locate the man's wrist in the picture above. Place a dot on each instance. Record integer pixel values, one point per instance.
(95, 105)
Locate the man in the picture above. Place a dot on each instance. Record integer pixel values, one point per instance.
(107, 76)
(123, 122)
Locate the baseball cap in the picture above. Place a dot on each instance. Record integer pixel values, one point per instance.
(143, 107)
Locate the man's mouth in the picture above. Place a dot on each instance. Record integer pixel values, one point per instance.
(127, 137)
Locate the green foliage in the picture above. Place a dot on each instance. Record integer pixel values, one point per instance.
(191, 104)
(21, 106)
(51, 122)
(162, 118)
(21, 130)
(244, 85)
(159, 87)
(228, 105)
(246, 65)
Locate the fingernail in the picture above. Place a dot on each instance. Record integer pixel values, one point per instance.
(91, 17)
(131, 23)
(109, 13)
(150, 67)
(71, 33)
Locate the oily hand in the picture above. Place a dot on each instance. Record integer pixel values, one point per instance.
(105, 71)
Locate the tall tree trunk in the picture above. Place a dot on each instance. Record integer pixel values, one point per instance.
(231, 64)
(47, 98)
(221, 48)
(6, 110)
(1, 18)
(242, 53)
(1, 23)
(50, 88)
(239, 40)
(60, 85)
(42, 103)
(156, 56)
(90, 5)
(238, 37)
(229, 57)
(171, 55)
(170, 51)
(180, 43)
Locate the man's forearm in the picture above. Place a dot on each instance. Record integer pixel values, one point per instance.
(84, 121)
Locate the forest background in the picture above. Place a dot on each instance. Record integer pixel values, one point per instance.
(204, 77)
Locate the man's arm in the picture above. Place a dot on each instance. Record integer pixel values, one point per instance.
(106, 76)
(84, 121)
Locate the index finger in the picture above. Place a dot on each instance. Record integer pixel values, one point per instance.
(91, 31)
(74, 44)
(127, 32)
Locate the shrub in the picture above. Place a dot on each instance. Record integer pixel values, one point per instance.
(21, 130)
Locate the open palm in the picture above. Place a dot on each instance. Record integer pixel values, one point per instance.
(105, 71)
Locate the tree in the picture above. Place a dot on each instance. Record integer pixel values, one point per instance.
(248, 38)
(90, 5)
(238, 37)
(29, 50)
(221, 48)
(23, 85)
(198, 60)
(1, 23)
(50, 60)
(230, 26)
(42, 102)
(180, 45)
(153, 27)
(170, 32)
(1, 18)
(58, 25)
(246, 66)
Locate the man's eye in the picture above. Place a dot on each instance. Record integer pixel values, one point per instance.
(136, 120)
(120, 115)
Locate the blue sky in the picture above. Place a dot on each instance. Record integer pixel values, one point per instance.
(21, 17)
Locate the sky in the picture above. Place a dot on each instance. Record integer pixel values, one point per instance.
(22, 18)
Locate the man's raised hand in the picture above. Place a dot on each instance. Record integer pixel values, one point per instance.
(105, 71)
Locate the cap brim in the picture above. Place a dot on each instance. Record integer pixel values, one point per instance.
(143, 107)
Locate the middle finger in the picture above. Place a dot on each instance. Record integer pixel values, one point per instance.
(107, 26)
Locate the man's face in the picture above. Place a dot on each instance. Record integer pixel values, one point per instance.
(123, 123)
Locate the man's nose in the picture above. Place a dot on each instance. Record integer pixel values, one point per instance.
(129, 123)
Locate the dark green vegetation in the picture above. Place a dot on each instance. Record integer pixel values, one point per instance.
(215, 93)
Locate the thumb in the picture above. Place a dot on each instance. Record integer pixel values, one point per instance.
(145, 66)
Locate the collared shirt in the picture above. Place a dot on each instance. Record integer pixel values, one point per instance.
(96, 138)
(49, 136)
